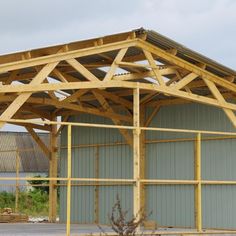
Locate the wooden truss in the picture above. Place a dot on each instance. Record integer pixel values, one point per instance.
(114, 77)
(97, 77)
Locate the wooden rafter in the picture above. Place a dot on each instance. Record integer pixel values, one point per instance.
(22, 98)
(65, 55)
(186, 65)
(216, 93)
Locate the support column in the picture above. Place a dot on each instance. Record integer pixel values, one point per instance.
(17, 181)
(198, 187)
(53, 174)
(136, 155)
(96, 190)
(142, 158)
(68, 204)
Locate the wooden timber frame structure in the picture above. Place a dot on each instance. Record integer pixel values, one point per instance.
(117, 77)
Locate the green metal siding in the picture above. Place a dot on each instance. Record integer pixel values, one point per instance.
(114, 162)
(171, 205)
(176, 161)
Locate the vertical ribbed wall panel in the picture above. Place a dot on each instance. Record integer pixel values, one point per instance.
(219, 201)
(113, 161)
(171, 205)
(107, 199)
(219, 159)
(170, 160)
(82, 197)
(174, 205)
(219, 206)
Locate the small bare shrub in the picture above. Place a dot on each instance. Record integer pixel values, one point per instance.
(119, 222)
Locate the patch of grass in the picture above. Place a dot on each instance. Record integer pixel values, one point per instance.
(33, 202)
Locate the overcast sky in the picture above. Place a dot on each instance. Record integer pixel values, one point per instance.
(207, 26)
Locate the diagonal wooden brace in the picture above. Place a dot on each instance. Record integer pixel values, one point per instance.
(22, 98)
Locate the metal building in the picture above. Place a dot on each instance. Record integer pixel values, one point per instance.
(141, 116)
(19, 147)
(100, 153)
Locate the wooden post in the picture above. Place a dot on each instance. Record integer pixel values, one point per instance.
(17, 182)
(68, 213)
(53, 174)
(96, 208)
(142, 158)
(136, 155)
(198, 187)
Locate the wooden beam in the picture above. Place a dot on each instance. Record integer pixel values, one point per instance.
(186, 65)
(141, 75)
(53, 174)
(37, 111)
(115, 64)
(152, 115)
(96, 188)
(82, 70)
(154, 67)
(101, 84)
(216, 93)
(22, 98)
(33, 126)
(17, 191)
(107, 107)
(142, 160)
(184, 81)
(75, 107)
(5, 67)
(69, 172)
(136, 156)
(75, 96)
(198, 187)
(115, 98)
(38, 140)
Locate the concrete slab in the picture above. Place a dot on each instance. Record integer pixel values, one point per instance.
(44, 229)
(47, 229)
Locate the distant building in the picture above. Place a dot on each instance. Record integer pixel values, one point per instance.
(32, 161)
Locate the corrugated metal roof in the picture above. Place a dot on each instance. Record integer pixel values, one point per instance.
(32, 159)
(185, 53)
